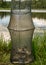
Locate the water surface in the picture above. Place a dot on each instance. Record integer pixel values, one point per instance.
(39, 21)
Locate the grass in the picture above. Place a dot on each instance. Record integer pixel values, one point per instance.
(39, 43)
(38, 46)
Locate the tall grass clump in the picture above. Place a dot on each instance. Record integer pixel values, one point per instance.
(39, 49)
(4, 51)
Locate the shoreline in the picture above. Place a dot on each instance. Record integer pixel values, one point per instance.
(32, 10)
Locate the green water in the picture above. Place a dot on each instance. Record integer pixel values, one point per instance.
(39, 15)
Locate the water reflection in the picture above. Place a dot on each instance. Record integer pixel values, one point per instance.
(4, 19)
(40, 25)
(38, 22)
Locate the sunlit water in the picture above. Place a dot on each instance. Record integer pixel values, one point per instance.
(39, 23)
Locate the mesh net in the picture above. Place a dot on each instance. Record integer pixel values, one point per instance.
(21, 46)
(21, 30)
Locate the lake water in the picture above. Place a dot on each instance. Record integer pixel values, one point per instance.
(39, 23)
